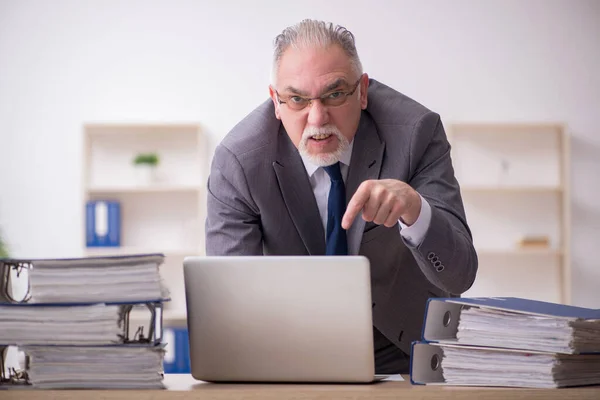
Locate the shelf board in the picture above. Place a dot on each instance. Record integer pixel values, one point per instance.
(162, 188)
(519, 252)
(169, 319)
(124, 128)
(510, 189)
(503, 126)
(140, 314)
(106, 251)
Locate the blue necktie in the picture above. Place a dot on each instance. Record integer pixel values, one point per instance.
(335, 239)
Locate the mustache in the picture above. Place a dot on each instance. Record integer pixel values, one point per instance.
(320, 130)
(323, 159)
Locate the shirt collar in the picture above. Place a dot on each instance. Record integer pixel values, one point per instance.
(344, 159)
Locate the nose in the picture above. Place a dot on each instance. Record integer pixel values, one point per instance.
(317, 114)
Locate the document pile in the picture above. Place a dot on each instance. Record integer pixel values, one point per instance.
(74, 322)
(96, 279)
(507, 342)
(55, 367)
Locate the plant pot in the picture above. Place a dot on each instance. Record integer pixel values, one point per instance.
(145, 174)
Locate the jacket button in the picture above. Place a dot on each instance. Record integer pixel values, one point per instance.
(440, 268)
(434, 259)
(430, 255)
(437, 264)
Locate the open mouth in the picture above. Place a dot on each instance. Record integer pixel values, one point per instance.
(321, 136)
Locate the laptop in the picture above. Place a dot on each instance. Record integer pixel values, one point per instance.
(280, 319)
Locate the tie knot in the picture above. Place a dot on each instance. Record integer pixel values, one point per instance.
(334, 171)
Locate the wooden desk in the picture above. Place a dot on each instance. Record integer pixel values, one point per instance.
(182, 387)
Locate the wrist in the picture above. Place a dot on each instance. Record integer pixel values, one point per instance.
(413, 209)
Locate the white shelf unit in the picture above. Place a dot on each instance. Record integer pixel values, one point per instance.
(155, 188)
(165, 215)
(514, 181)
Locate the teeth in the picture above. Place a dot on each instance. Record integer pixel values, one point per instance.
(321, 136)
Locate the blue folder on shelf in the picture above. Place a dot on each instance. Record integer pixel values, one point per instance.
(103, 223)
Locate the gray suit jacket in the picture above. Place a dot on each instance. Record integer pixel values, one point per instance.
(260, 202)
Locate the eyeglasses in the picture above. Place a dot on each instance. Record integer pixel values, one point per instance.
(332, 99)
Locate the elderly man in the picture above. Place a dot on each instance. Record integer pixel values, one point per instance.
(336, 163)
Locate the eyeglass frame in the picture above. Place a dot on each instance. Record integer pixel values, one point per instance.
(310, 99)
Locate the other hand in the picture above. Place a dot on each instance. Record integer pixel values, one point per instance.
(384, 202)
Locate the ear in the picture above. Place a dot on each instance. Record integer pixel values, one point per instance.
(364, 91)
(275, 102)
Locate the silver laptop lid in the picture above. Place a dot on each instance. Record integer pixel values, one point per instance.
(286, 319)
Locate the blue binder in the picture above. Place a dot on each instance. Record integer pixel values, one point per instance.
(177, 358)
(442, 314)
(103, 223)
(440, 332)
(429, 367)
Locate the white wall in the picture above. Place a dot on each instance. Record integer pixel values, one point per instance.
(65, 63)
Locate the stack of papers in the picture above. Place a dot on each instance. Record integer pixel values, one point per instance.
(513, 368)
(507, 341)
(110, 367)
(97, 279)
(74, 322)
(74, 325)
(500, 328)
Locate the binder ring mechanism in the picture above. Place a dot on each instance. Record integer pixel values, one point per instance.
(154, 324)
(9, 270)
(12, 376)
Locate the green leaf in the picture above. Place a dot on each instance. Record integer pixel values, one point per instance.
(147, 159)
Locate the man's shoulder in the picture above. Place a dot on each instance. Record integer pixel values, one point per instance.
(257, 130)
(387, 106)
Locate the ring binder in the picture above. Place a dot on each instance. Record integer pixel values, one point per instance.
(44, 279)
(154, 326)
(132, 335)
(114, 324)
(506, 341)
(81, 314)
(14, 376)
(6, 266)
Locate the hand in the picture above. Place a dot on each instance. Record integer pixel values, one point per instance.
(384, 202)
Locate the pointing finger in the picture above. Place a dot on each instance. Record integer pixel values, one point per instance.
(355, 204)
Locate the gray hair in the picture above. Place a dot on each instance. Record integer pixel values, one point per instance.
(311, 33)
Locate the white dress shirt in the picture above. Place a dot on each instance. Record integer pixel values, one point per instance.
(320, 182)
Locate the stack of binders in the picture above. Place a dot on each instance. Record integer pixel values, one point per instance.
(508, 342)
(74, 322)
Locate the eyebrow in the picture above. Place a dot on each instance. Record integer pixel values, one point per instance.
(335, 84)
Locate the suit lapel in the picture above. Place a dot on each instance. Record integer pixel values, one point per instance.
(365, 164)
(298, 195)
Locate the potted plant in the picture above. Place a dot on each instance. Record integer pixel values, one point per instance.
(145, 165)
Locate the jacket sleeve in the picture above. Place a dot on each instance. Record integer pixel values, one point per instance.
(233, 220)
(446, 255)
